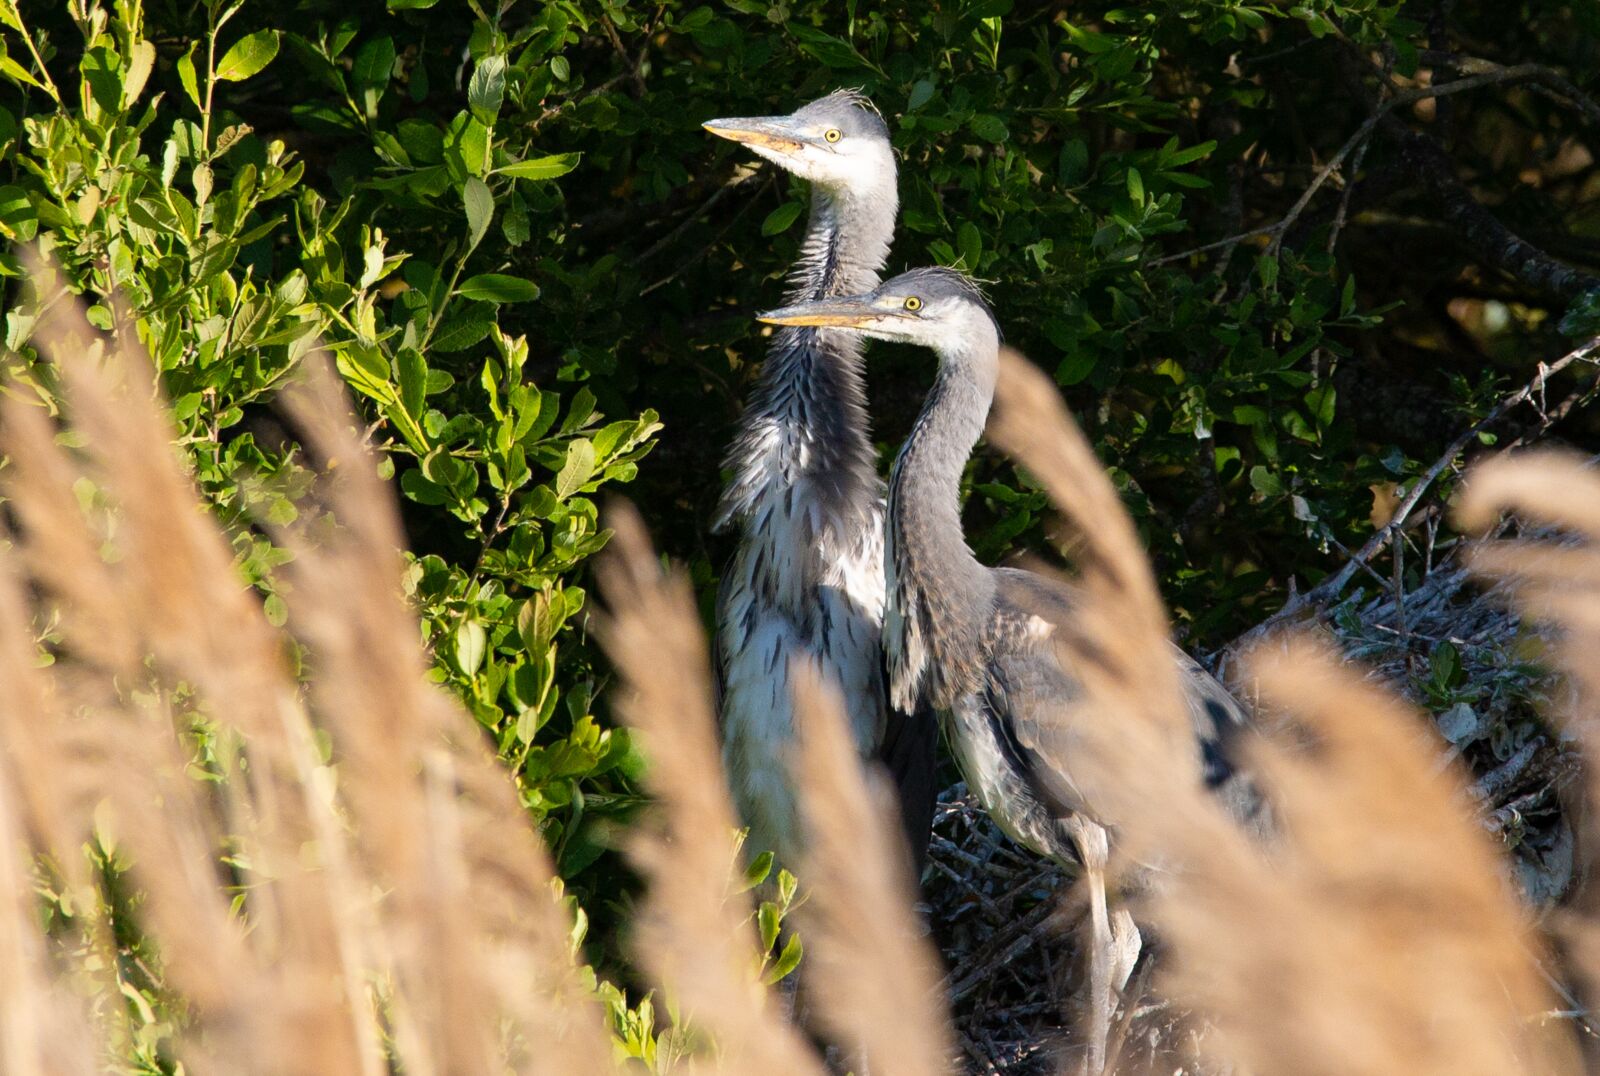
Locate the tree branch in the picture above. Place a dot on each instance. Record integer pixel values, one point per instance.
(1330, 588)
(1489, 239)
(1497, 76)
(1538, 74)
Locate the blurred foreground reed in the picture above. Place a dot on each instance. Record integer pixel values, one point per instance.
(344, 881)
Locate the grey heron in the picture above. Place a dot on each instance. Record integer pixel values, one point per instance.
(807, 580)
(973, 642)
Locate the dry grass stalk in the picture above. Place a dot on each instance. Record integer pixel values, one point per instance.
(870, 975)
(1557, 582)
(694, 932)
(1380, 934)
(1377, 933)
(396, 870)
(1120, 620)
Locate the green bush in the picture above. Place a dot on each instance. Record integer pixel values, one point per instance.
(533, 268)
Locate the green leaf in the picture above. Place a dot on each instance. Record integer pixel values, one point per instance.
(787, 960)
(186, 75)
(411, 5)
(1075, 367)
(1264, 481)
(1135, 186)
(769, 922)
(969, 241)
(780, 219)
(989, 128)
(488, 87)
(461, 333)
(757, 871)
(472, 645)
(248, 56)
(1190, 155)
(18, 218)
(374, 65)
(577, 470)
(480, 208)
(141, 61)
(1321, 401)
(16, 72)
(498, 288)
(276, 610)
(537, 623)
(557, 164)
(413, 376)
(832, 51)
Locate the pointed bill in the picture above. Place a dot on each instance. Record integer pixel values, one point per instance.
(769, 132)
(834, 313)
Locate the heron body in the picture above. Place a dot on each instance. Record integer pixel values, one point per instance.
(973, 643)
(806, 583)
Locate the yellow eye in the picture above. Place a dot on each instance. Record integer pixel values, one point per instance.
(833, 134)
(913, 303)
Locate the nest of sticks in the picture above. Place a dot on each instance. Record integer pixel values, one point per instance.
(1005, 920)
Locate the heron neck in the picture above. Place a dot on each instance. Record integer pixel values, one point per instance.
(847, 241)
(940, 588)
(807, 421)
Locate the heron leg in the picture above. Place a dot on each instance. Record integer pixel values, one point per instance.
(1126, 945)
(1109, 964)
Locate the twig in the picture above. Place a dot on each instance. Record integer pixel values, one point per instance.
(1006, 948)
(1481, 230)
(697, 255)
(1538, 74)
(1344, 197)
(1519, 73)
(1400, 593)
(1500, 780)
(1330, 588)
(733, 184)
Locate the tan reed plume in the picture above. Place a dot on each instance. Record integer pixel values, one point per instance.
(694, 933)
(393, 901)
(1375, 932)
(871, 976)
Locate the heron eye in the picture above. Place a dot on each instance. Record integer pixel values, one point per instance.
(913, 303)
(833, 134)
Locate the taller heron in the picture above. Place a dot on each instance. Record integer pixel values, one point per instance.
(973, 642)
(807, 580)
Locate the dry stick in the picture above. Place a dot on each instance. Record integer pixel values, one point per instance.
(1547, 77)
(735, 183)
(1477, 228)
(1334, 585)
(697, 255)
(1519, 73)
(1015, 941)
(1344, 198)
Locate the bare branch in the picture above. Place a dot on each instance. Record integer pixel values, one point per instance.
(1330, 588)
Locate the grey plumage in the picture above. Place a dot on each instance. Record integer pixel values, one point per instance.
(806, 582)
(973, 643)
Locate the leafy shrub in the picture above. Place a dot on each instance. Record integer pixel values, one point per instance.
(534, 268)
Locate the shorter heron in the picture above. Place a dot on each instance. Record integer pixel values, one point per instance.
(973, 642)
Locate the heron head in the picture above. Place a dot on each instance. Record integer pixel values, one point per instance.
(935, 308)
(838, 141)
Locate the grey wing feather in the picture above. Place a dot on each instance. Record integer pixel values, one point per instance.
(1037, 681)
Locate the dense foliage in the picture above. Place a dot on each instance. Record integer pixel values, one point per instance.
(1255, 248)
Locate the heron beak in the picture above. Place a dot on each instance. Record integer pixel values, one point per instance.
(830, 313)
(769, 132)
